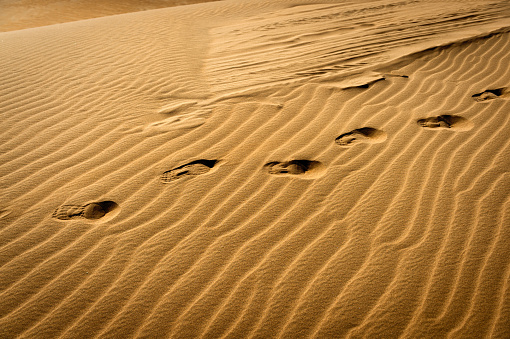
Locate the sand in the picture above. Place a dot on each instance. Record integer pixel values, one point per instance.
(257, 169)
(21, 14)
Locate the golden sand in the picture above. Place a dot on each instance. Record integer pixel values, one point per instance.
(256, 169)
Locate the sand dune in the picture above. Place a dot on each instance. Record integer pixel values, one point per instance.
(22, 14)
(235, 169)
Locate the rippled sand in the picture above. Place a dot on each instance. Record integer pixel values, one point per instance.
(256, 169)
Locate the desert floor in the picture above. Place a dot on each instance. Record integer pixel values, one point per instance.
(255, 169)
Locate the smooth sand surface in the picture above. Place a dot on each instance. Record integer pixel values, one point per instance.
(21, 14)
(258, 169)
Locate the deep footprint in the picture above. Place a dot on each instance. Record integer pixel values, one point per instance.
(445, 122)
(294, 167)
(193, 168)
(490, 94)
(94, 210)
(360, 136)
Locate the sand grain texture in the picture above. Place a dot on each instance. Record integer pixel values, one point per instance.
(253, 169)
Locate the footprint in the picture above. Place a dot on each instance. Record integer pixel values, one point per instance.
(191, 169)
(94, 210)
(305, 168)
(361, 136)
(490, 94)
(446, 121)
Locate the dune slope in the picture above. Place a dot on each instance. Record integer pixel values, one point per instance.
(249, 169)
(22, 14)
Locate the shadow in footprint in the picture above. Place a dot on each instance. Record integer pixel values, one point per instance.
(193, 168)
(446, 121)
(92, 211)
(490, 94)
(304, 168)
(360, 136)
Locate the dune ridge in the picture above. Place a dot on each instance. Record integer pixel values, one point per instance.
(269, 174)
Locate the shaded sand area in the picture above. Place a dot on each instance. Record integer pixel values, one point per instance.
(252, 169)
(21, 14)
